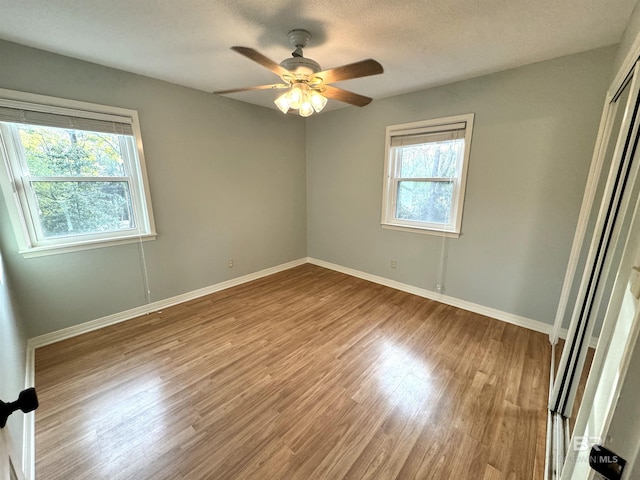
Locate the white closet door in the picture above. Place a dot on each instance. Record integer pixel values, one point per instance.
(4, 459)
(609, 411)
(603, 259)
(9, 465)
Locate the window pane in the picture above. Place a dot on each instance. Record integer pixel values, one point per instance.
(430, 160)
(71, 153)
(76, 208)
(424, 201)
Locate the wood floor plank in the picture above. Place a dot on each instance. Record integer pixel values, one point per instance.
(305, 374)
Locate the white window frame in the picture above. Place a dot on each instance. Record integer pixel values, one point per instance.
(391, 178)
(20, 201)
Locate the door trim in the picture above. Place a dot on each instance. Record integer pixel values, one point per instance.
(606, 232)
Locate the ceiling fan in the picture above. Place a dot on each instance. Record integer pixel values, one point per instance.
(307, 84)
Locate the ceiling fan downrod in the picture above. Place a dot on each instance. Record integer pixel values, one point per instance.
(298, 38)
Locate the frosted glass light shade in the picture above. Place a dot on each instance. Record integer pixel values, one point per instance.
(296, 95)
(305, 109)
(282, 102)
(317, 100)
(302, 98)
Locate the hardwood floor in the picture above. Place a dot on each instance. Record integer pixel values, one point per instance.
(305, 374)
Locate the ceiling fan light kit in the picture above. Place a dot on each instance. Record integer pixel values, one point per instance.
(302, 98)
(307, 84)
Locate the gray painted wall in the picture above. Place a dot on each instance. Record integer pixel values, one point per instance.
(534, 133)
(13, 344)
(227, 181)
(629, 36)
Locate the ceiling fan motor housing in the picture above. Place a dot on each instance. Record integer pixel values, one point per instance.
(301, 65)
(297, 64)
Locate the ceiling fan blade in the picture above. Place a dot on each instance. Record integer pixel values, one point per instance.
(345, 96)
(257, 57)
(259, 87)
(363, 68)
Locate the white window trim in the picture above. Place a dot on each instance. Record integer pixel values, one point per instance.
(388, 220)
(12, 196)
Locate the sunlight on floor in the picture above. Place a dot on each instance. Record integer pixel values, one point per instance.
(130, 428)
(403, 377)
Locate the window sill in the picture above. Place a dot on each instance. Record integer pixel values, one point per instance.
(88, 245)
(421, 230)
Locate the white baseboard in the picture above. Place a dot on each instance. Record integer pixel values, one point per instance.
(53, 337)
(57, 336)
(525, 322)
(593, 342)
(439, 297)
(28, 450)
(89, 326)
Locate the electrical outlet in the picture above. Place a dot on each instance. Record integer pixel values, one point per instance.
(394, 264)
(230, 263)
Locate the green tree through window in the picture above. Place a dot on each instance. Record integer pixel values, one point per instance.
(427, 201)
(79, 180)
(425, 175)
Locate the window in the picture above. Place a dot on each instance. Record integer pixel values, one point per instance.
(425, 175)
(73, 175)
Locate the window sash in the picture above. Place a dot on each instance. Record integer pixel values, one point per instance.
(32, 178)
(396, 156)
(33, 204)
(416, 133)
(425, 179)
(80, 116)
(393, 207)
(28, 201)
(396, 153)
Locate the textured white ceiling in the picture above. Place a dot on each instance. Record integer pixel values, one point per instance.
(420, 43)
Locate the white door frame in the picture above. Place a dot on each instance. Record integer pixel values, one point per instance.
(4, 458)
(588, 428)
(599, 156)
(9, 461)
(595, 171)
(614, 207)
